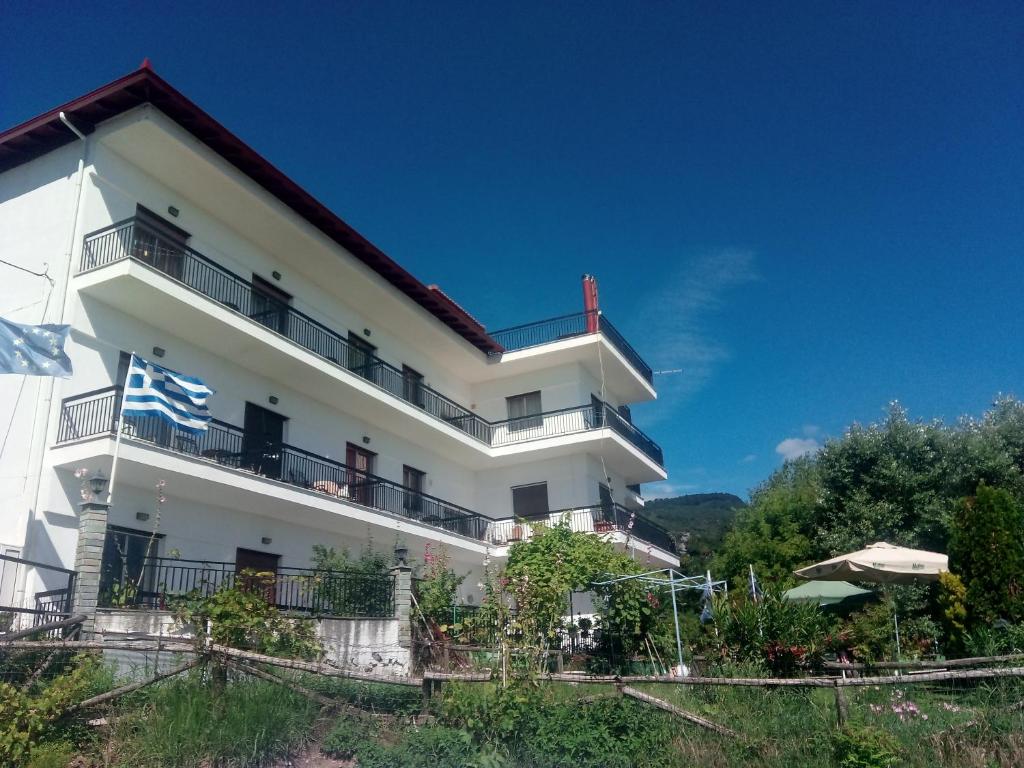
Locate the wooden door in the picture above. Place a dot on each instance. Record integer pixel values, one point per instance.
(361, 484)
(249, 563)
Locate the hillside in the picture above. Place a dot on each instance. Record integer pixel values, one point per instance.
(704, 516)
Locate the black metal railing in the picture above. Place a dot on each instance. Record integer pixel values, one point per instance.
(600, 518)
(568, 327)
(95, 413)
(568, 421)
(132, 239)
(157, 582)
(52, 603)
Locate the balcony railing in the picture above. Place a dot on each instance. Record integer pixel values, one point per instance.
(569, 327)
(602, 518)
(95, 413)
(134, 240)
(156, 582)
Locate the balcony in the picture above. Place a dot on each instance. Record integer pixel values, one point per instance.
(603, 518)
(95, 413)
(135, 242)
(570, 327)
(155, 583)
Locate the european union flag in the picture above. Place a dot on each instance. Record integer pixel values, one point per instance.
(34, 350)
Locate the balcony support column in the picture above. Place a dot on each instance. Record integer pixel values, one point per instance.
(92, 535)
(402, 575)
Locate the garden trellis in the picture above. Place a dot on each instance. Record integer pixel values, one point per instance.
(675, 582)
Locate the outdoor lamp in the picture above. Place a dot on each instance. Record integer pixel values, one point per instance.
(98, 484)
(401, 553)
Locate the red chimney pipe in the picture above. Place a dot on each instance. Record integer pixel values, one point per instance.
(590, 302)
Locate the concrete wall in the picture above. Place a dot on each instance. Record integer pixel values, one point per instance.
(352, 644)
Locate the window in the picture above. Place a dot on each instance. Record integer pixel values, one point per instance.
(414, 480)
(158, 242)
(530, 500)
(128, 568)
(361, 356)
(412, 385)
(269, 305)
(524, 411)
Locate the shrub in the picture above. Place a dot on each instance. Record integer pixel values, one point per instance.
(343, 740)
(863, 748)
(782, 634)
(952, 602)
(241, 617)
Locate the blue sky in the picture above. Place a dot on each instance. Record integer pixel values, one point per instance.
(812, 209)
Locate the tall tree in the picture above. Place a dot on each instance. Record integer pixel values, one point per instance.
(986, 549)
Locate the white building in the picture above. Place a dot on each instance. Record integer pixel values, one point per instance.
(352, 401)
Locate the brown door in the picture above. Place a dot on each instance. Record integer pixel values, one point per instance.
(361, 485)
(257, 571)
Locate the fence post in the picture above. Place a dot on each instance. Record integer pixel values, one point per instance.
(842, 707)
(92, 534)
(402, 575)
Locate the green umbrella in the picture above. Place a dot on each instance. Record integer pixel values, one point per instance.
(827, 592)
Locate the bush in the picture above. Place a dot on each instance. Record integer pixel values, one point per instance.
(343, 740)
(864, 748)
(784, 635)
(241, 617)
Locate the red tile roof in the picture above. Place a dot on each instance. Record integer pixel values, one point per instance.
(46, 132)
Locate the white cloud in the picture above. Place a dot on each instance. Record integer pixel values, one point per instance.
(675, 324)
(748, 458)
(795, 447)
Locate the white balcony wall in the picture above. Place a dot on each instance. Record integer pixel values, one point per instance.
(312, 425)
(115, 186)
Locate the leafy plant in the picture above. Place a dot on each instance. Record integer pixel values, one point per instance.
(784, 635)
(241, 616)
(27, 718)
(864, 748)
(952, 601)
(438, 586)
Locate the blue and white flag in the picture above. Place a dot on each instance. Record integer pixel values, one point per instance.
(34, 350)
(152, 390)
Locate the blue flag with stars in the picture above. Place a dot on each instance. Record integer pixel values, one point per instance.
(34, 350)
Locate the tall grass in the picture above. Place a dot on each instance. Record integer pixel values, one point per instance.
(187, 722)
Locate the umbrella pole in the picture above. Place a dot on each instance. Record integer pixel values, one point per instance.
(896, 625)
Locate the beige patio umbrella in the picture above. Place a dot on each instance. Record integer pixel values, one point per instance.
(880, 563)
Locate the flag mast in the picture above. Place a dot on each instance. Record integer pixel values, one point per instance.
(120, 429)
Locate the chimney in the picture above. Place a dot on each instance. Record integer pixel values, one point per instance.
(590, 307)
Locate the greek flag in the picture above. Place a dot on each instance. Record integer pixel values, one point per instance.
(34, 350)
(152, 390)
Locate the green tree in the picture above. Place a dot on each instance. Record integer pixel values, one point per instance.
(986, 549)
(772, 533)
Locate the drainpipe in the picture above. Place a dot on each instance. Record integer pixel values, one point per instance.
(590, 302)
(45, 407)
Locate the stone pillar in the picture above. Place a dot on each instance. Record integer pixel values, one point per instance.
(92, 534)
(403, 602)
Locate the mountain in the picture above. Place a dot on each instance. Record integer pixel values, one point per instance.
(703, 518)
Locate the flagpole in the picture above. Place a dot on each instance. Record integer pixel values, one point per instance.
(120, 430)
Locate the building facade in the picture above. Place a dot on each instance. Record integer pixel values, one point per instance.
(354, 405)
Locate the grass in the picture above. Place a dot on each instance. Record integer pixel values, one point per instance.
(186, 723)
